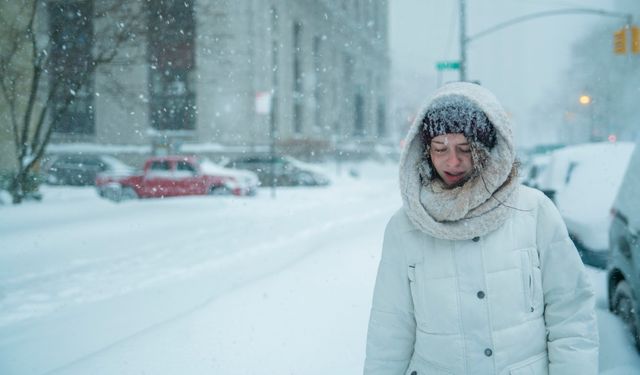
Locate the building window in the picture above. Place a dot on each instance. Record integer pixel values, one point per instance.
(275, 51)
(347, 92)
(318, 86)
(71, 70)
(298, 95)
(381, 115)
(171, 64)
(358, 119)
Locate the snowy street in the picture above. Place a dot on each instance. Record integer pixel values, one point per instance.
(204, 285)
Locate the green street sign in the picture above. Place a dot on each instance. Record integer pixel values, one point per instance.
(448, 65)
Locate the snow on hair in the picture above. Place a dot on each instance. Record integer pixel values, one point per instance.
(458, 114)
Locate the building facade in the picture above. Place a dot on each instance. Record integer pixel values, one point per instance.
(311, 76)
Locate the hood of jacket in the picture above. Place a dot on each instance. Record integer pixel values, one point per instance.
(480, 205)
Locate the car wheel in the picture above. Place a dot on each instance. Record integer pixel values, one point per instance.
(219, 190)
(625, 306)
(305, 179)
(127, 193)
(52, 180)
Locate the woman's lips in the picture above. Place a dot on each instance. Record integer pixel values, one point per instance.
(454, 176)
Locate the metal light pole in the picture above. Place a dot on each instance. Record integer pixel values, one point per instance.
(272, 140)
(463, 40)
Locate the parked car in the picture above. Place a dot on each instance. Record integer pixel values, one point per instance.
(82, 169)
(246, 182)
(583, 181)
(623, 279)
(283, 170)
(534, 164)
(535, 171)
(169, 176)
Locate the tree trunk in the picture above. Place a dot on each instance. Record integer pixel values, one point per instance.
(17, 187)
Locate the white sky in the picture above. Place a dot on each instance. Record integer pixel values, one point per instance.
(521, 64)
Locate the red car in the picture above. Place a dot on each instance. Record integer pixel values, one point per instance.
(169, 176)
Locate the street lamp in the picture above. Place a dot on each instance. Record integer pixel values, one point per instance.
(584, 99)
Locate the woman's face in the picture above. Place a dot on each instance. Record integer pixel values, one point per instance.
(451, 157)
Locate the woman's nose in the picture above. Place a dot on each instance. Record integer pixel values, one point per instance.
(453, 159)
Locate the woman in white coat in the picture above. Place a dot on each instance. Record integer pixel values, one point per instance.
(478, 274)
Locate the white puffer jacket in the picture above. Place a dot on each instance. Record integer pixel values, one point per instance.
(512, 300)
(480, 307)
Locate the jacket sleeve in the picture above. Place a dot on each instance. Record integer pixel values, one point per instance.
(572, 330)
(391, 334)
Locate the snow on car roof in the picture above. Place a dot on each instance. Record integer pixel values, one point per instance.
(209, 167)
(302, 165)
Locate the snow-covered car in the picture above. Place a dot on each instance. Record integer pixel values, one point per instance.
(283, 170)
(241, 180)
(623, 279)
(584, 180)
(535, 161)
(169, 176)
(535, 170)
(82, 169)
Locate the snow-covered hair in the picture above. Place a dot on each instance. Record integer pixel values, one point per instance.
(457, 114)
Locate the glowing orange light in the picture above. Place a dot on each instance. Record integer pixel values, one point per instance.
(584, 99)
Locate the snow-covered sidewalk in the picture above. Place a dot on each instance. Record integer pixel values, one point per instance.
(308, 319)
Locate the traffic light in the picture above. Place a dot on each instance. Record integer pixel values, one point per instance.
(635, 39)
(620, 41)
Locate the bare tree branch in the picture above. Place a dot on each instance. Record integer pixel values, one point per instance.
(9, 78)
(38, 94)
(42, 115)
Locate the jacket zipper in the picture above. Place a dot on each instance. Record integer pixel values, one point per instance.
(527, 269)
(532, 280)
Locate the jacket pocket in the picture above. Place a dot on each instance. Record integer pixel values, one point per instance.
(530, 278)
(434, 301)
(415, 293)
(536, 365)
(420, 366)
